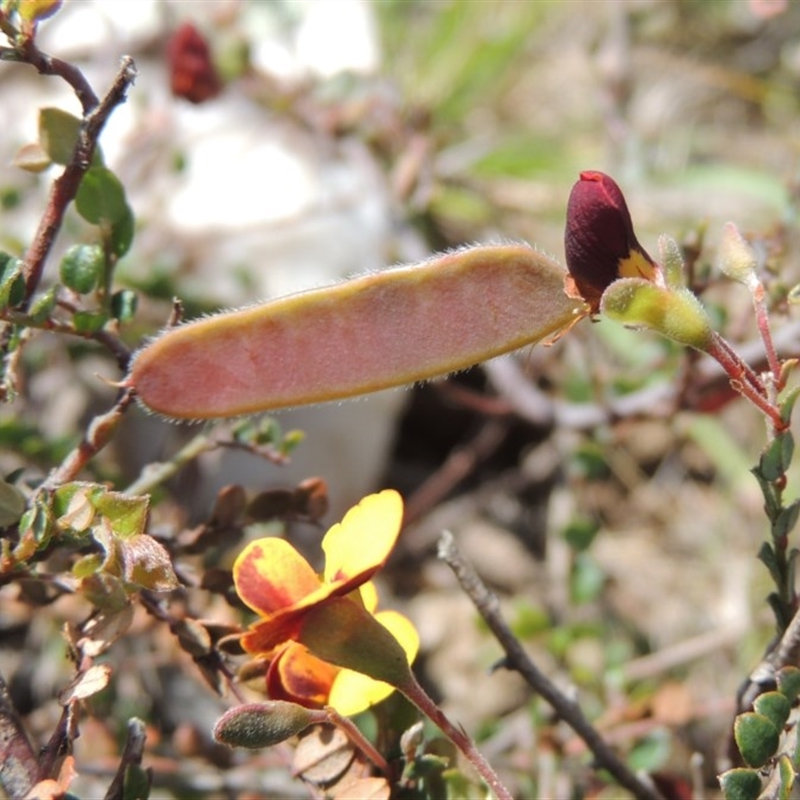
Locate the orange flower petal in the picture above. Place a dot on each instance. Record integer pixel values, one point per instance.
(265, 636)
(298, 677)
(359, 545)
(270, 575)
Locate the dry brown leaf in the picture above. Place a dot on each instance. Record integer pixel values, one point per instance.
(94, 680)
(323, 755)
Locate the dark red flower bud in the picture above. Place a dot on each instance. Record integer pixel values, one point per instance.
(192, 73)
(599, 240)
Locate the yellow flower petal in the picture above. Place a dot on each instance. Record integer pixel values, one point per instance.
(359, 545)
(403, 630)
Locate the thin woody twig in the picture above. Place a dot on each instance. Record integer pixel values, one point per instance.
(131, 756)
(97, 436)
(517, 659)
(65, 187)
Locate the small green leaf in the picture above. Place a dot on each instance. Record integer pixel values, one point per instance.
(782, 616)
(87, 565)
(12, 281)
(580, 532)
(123, 305)
(127, 514)
(787, 448)
(788, 402)
(43, 306)
(12, 504)
(775, 706)
(122, 233)
(89, 321)
(256, 725)
(770, 464)
(36, 529)
(136, 784)
(789, 682)
(786, 520)
(772, 500)
(787, 777)
(767, 556)
(58, 134)
(101, 197)
(740, 784)
(82, 267)
(587, 579)
(756, 737)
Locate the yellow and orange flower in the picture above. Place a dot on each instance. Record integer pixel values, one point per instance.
(276, 582)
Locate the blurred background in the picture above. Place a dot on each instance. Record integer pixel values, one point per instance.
(323, 139)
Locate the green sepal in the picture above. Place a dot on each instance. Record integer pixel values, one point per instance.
(674, 313)
(343, 633)
(58, 134)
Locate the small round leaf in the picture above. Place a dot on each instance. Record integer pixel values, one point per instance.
(740, 784)
(82, 267)
(789, 682)
(775, 706)
(756, 737)
(101, 197)
(123, 305)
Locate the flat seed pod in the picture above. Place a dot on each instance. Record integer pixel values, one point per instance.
(370, 333)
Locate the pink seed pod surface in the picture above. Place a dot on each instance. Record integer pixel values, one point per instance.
(372, 332)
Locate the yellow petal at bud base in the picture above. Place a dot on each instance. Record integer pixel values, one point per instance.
(674, 313)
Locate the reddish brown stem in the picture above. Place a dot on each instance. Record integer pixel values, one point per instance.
(458, 737)
(762, 318)
(744, 380)
(358, 739)
(65, 187)
(97, 436)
